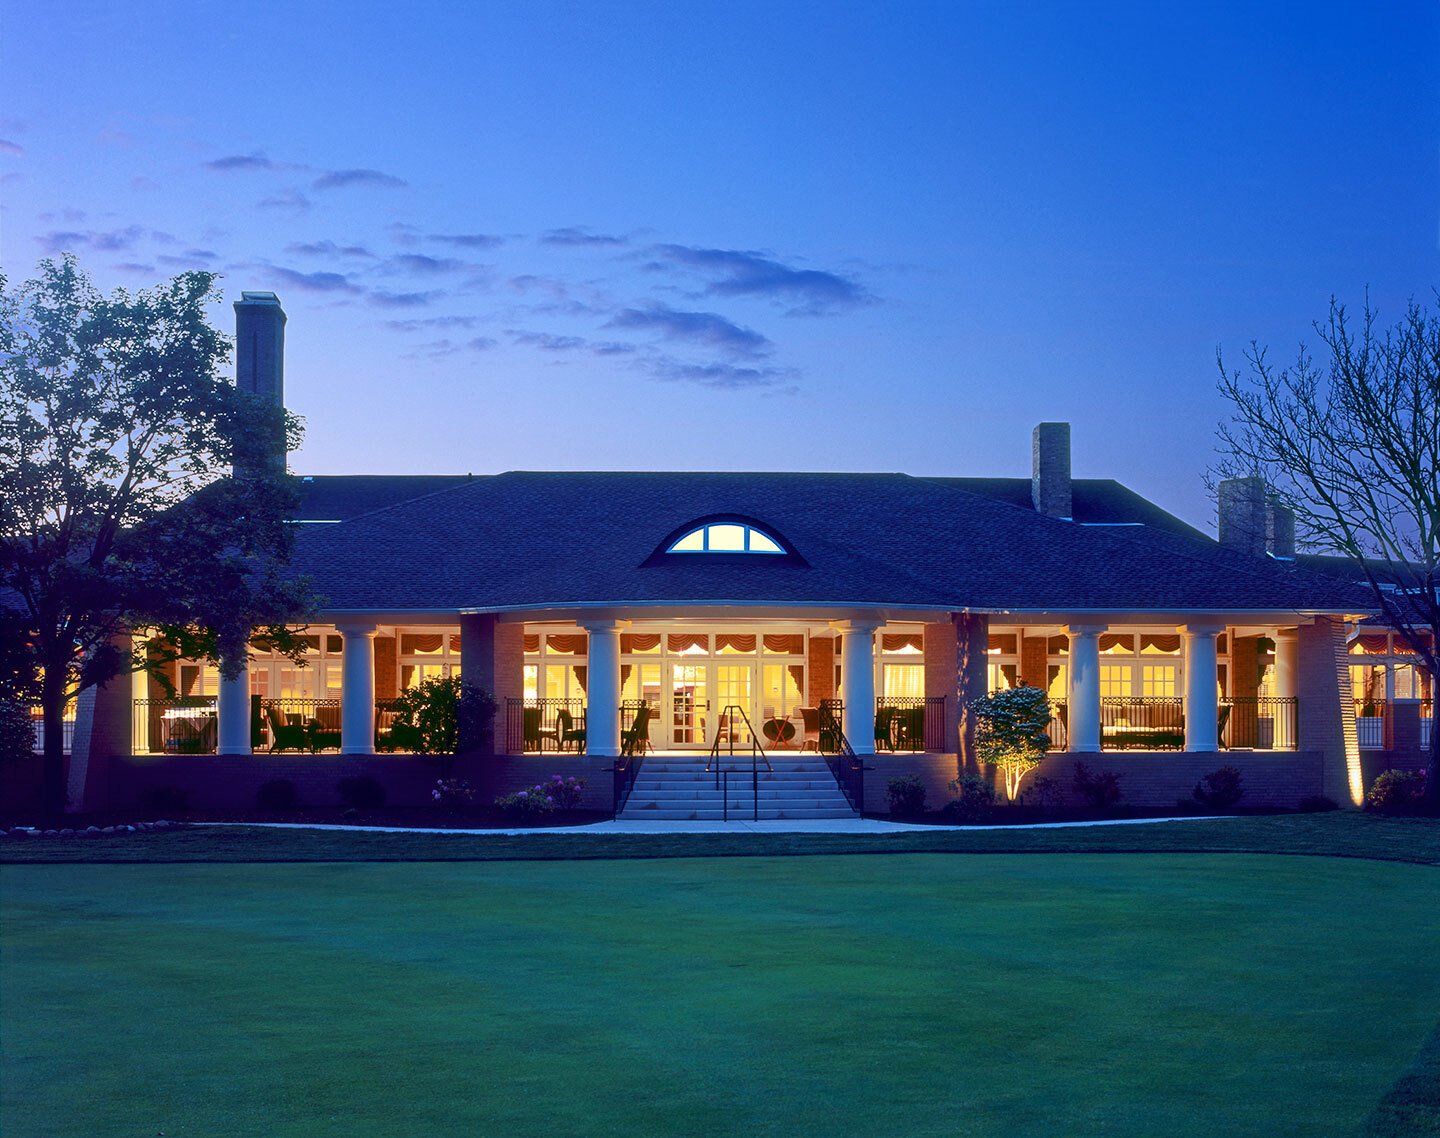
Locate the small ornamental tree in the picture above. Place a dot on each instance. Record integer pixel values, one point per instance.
(440, 716)
(1010, 732)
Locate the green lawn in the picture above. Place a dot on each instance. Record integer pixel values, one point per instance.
(911, 994)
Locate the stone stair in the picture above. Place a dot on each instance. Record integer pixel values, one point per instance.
(671, 787)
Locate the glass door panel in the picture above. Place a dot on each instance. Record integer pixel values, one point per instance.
(732, 687)
(689, 706)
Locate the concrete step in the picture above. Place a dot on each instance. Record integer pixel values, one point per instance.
(739, 812)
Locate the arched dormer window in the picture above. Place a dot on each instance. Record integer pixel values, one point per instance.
(724, 537)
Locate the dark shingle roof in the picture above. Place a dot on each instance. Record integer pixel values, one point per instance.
(340, 497)
(1094, 501)
(551, 539)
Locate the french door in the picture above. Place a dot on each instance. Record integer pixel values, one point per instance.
(699, 691)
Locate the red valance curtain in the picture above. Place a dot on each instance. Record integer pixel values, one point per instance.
(1160, 641)
(1058, 645)
(1405, 649)
(412, 643)
(639, 642)
(580, 672)
(900, 641)
(735, 641)
(680, 641)
(573, 645)
(455, 643)
(532, 642)
(785, 643)
(797, 677)
(625, 670)
(1001, 642)
(1376, 643)
(1117, 640)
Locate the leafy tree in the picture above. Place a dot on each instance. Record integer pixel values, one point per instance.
(118, 510)
(1352, 446)
(440, 716)
(1010, 731)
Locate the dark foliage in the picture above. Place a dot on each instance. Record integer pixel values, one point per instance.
(361, 791)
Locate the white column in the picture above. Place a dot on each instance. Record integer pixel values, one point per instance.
(857, 682)
(602, 695)
(1083, 698)
(1287, 661)
(1202, 728)
(357, 689)
(233, 712)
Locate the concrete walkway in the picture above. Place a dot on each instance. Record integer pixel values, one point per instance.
(780, 826)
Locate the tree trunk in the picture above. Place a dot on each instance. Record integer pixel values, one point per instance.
(52, 783)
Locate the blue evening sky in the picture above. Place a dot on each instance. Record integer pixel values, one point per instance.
(774, 236)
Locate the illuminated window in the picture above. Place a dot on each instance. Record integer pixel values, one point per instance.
(725, 537)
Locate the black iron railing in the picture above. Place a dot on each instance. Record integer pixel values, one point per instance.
(37, 725)
(1370, 718)
(1059, 729)
(1260, 723)
(910, 723)
(849, 772)
(1142, 724)
(533, 725)
(635, 719)
(299, 723)
(185, 725)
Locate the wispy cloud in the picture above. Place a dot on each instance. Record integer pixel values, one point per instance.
(575, 235)
(141, 182)
(468, 240)
(439, 349)
(546, 341)
(314, 282)
(190, 259)
(135, 268)
(734, 272)
(421, 264)
(426, 323)
(66, 241)
(342, 179)
(327, 249)
(382, 299)
(724, 376)
(8, 147)
(241, 163)
(695, 327)
(291, 200)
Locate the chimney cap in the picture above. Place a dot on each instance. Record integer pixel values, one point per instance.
(258, 298)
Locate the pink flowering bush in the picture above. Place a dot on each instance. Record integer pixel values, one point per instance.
(452, 793)
(565, 792)
(526, 803)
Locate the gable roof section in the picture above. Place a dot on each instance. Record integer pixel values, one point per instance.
(340, 497)
(1094, 501)
(548, 539)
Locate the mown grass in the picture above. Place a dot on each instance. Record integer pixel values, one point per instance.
(1339, 834)
(1058, 992)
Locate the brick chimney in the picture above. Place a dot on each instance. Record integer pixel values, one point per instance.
(260, 352)
(1279, 531)
(1243, 516)
(1050, 469)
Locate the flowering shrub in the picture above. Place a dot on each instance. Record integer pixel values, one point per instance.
(564, 792)
(452, 793)
(526, 803)
(1397, 792)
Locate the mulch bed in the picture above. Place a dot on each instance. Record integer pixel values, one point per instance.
(407, 817)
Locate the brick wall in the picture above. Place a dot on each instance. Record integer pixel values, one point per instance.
(821, 669)
(1244, 684)
(939, 648)
(1158, 779)
(972, 678)
(492, 656)
(215, 781)
(1034, 658)
(1326, 713)
(935, 771)
(387, 669)
(1403, 753)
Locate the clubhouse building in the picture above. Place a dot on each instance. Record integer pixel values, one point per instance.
(647, 631)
